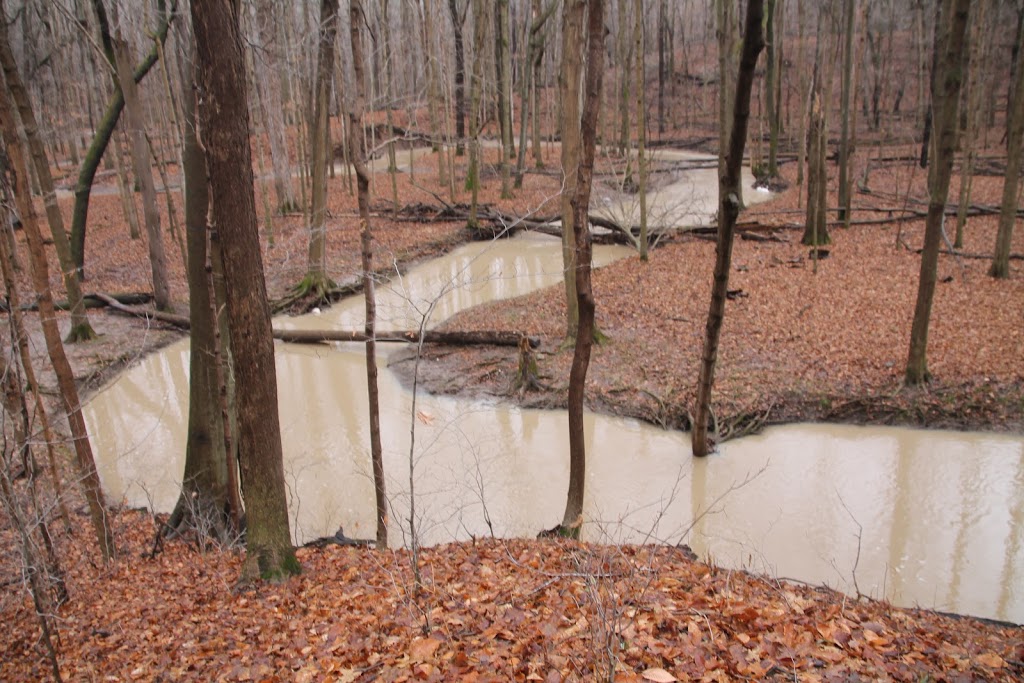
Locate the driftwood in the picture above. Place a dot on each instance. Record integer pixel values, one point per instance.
(181, 321)
(484, 338)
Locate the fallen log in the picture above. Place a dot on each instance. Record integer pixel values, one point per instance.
(90, 301)
(181, 321)
(481, 338)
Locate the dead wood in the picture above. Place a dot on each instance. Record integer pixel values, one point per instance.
(181, 321)
(90, 301)
(453, 338)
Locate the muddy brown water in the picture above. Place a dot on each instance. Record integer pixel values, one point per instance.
(926, 518)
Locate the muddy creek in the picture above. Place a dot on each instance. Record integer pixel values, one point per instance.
(926, 518)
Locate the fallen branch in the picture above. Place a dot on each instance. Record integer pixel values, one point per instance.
(485, 337)
(90, 301)
(149, 314)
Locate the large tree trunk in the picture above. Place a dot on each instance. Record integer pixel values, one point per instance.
(224, 119)
(16, 175)
(358, 155)
(1008, 210)
(101, 138)
(569, 83)
(945, 102)
(728, 211)
(81, 329)
(205, 504)
(572, 519)
(317, 284)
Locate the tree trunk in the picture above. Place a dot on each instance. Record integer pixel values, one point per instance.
(205, 504)
(101, 138)
(224, 120)
(569, 83)
(504, 59)
(389, 86)
(458, 20)
(16, 176)
(728, 211)
(1008, 209)
(945, 101)
(143, 174)
(726, 82)
(641, 123)
(317, 284)
(772, 77)
(845, 146)
(475, 113)
(572, 519)
(358, 156)
(21, 340)
(81, 329)
(816, 224)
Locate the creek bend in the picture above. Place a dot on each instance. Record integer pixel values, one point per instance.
(923, 518)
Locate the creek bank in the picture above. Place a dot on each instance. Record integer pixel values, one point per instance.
(488, 373)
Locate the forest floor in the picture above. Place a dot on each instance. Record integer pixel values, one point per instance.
(802, 341)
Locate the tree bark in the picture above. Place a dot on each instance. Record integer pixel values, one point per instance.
(81, 329)
(205, 504)
(1008, 210)
(316, 283)
(504, 59)
(945, 102)
(358, 155)
(569, 84)
(458, 18)
(728, 211)
(224, 125)
(641, 124)
(572, 519)
(16, 176)
(475, 113)
(845, 96)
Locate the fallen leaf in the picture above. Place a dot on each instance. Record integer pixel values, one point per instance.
(424, 649)
(658, 676)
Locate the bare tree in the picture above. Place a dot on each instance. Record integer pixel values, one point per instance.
(572, 519)
(1000, 267)
(15, 176)
(101, 138)
(81, 329)
(570, 81)
(945, 103)
(358, 155)
(224, 118)
(317, 285)
(728, 211)
(116, 47)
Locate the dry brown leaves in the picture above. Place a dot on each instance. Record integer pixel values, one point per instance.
(487, 611)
